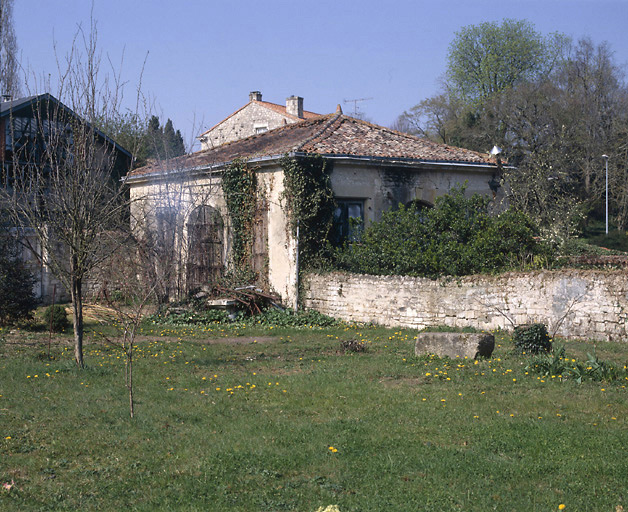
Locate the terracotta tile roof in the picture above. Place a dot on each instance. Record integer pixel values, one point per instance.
(280, 109)
(332, 135)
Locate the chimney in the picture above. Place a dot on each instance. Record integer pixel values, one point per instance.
(294, 106)
(6, 98)
(255, 96)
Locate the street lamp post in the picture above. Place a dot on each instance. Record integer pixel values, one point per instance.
(605, 157)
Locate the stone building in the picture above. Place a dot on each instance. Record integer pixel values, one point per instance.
(373, 169)
(255, 117)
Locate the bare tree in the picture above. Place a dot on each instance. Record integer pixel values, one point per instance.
(9, 76)
(64, 181)
(128, 276)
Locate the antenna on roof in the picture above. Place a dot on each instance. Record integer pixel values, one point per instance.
(355, 104)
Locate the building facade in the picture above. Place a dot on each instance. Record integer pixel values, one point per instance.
(373, 169)
(254, 118)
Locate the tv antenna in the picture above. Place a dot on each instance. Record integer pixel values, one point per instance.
(355, 104)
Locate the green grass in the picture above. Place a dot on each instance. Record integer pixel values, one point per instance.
(247, 424)
(595, 234)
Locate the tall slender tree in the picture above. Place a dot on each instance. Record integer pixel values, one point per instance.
(9, 67)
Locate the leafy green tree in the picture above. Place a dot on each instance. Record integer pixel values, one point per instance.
(489, 58)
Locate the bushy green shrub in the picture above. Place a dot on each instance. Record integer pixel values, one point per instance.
(17, 299)
(56, 318)
(532, 339)
(290, 318)
(558, 364)
(457, 237)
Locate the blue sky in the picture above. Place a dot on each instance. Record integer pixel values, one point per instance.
(203, 57)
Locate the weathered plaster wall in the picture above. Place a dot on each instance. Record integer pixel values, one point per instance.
(281, 245)
(575, 303)
(184, 196)
(46, 284)
(179, 198)
(385, 187)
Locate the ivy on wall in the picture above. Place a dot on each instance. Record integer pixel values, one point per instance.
(310, 203)
(239, 184)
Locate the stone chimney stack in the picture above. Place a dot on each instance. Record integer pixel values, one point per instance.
(294, 106)
(255, 96)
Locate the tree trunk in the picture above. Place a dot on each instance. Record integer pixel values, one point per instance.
(130, 384)
(77, 309)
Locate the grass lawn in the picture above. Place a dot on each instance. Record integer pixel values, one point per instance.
(595, 234)
(282, 419)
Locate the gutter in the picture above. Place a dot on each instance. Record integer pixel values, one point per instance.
(269, 159)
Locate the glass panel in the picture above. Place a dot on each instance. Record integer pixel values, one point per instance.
(354, 211)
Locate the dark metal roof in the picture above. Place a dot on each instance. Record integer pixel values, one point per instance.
(15, 107)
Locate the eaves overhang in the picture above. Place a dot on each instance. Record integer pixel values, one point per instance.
(269, 160)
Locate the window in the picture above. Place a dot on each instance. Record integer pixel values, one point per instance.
(261, 129)
(348, 220)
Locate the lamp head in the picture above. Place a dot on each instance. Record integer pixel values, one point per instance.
(495, 151)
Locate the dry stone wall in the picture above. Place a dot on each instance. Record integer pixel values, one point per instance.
(573, 303)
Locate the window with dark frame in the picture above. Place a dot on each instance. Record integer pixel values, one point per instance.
(348, 220)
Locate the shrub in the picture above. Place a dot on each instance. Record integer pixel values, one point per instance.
(532, 338)
(558, 364)
(191, 317)
(353, 346)
(290, 318)
(269, 317)
(56, 318)
(457, 237)
(17, 299)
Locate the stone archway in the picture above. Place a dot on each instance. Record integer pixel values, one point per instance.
(205, 264)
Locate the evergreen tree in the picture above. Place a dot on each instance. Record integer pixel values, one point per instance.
(154, 136)
(173, 142)
(17, 300)
(163, 142)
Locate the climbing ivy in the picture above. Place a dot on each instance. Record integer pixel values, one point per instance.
(309, 202)
(239, 184)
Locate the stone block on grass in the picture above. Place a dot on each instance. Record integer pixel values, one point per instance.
(455, 344)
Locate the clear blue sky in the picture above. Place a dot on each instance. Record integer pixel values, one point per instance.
(205, 56)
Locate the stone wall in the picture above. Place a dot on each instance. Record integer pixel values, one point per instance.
(573, 303)
(243, 123)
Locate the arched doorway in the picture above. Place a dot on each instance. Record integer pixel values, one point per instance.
(205, 230)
